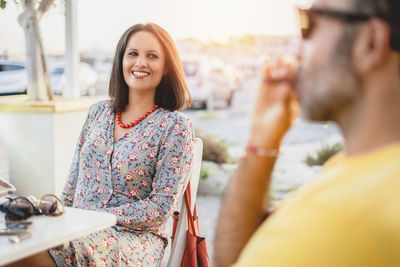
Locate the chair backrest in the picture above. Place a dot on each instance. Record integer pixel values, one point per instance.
(178, 247)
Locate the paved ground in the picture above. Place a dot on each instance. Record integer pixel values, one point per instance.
(208, 209)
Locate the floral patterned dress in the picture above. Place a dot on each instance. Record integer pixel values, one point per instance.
(139, 178)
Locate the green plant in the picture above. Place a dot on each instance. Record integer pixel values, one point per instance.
(324, 154)
(207, 116)
(205, 172)
(214, 148)
(232, 159)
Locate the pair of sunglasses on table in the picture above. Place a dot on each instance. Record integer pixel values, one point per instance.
(307, 20)
(21, 208)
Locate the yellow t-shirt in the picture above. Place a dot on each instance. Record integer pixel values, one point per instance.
(348, 216)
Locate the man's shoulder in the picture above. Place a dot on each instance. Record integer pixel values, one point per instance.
(334, 160)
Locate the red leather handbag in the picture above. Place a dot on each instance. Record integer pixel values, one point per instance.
(196, 252)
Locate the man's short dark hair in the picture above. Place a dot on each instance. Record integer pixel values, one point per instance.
(387, 9)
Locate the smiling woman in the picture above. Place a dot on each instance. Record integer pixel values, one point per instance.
(129, 153)
(133, 156)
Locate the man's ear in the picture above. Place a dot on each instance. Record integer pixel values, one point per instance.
(372, 45)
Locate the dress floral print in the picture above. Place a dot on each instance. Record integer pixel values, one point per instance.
(139, 178)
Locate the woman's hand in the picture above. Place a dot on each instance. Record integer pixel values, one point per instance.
(276, 105)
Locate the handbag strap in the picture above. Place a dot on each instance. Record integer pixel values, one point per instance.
(191, 217)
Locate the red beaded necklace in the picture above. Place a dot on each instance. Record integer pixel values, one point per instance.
(130, 125)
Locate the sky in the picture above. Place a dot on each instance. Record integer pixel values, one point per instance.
(101, 22)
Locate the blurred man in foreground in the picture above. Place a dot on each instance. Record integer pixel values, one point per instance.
(350, 214)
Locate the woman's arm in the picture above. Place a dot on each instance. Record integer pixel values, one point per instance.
(172, 174)
(67, 195)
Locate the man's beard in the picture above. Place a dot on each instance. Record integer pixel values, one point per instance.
(327, 90)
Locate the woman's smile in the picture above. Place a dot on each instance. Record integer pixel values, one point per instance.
(140, 74)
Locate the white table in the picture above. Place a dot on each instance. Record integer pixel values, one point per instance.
(49, 232)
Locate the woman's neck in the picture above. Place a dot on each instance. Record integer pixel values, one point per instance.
(139, 103)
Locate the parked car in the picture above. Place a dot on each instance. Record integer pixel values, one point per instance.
(251, 66)
(14, 79)
(224, 83)
(87, 78)
(196, 72)
(209, 80)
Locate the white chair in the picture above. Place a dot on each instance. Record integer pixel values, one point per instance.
(174, 255)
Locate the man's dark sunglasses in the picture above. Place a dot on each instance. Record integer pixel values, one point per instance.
(307, 21)
(21, 208)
